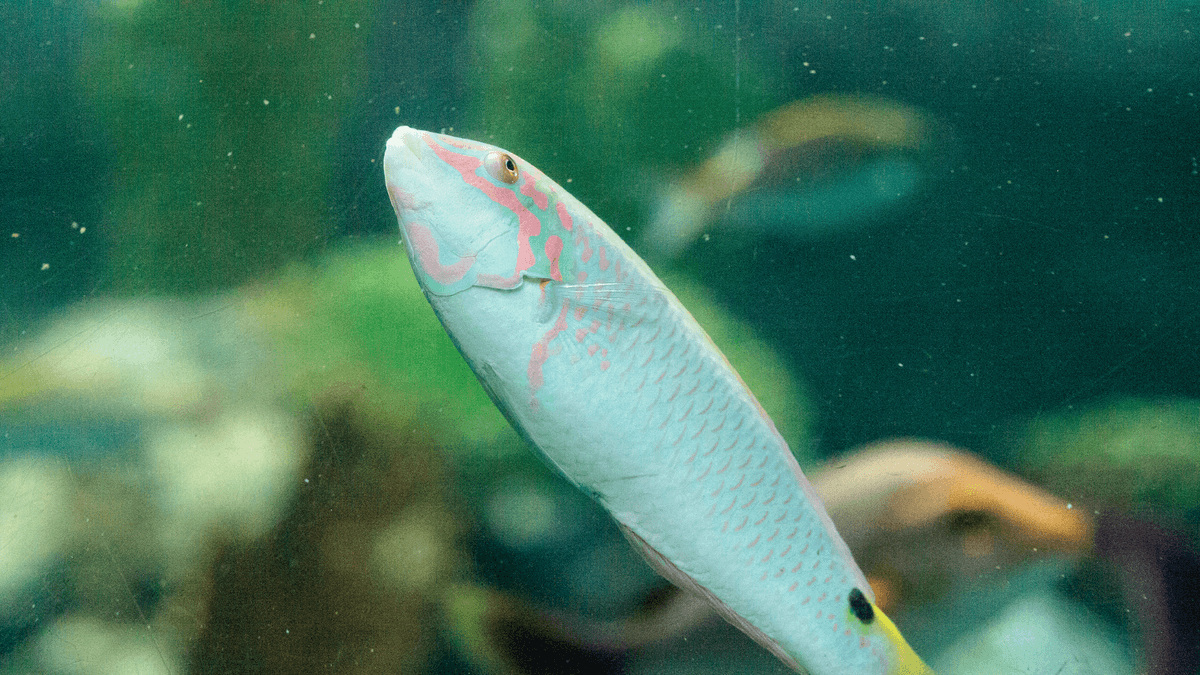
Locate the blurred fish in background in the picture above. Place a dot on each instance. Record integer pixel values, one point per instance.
(805, 171)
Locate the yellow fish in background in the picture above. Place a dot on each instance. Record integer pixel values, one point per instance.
(891, 133)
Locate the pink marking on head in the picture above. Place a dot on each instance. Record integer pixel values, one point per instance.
(793, 586)
(529, 189)
(497, 281)
(426, 247)
(581, 276)
(580, 334)
(528, 224)
(554, 247)
(603, 259)
(564, 217)
(592, 349)
(604, 365)
(401, 199)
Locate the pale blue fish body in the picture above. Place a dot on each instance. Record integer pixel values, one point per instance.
(604, 371)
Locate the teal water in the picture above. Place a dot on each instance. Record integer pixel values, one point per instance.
(233, 437)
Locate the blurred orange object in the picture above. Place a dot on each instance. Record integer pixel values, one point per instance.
(919, 515)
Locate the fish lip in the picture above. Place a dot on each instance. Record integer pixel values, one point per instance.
(405, 146)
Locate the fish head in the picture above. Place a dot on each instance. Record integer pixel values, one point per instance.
(472, 214)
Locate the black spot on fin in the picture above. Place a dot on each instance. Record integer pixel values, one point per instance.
(861, 607)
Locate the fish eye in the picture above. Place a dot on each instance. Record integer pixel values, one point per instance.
(502, 167)
(860, 607)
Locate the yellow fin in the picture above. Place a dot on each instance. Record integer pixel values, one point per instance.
(907, 662)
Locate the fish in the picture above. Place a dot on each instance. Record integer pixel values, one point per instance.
(753, 178)
(602, 370)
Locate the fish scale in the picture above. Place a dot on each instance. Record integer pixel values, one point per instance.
(606, 374)
(665, 367)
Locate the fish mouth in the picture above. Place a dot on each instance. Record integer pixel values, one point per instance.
(405, 147)
(402, 166)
